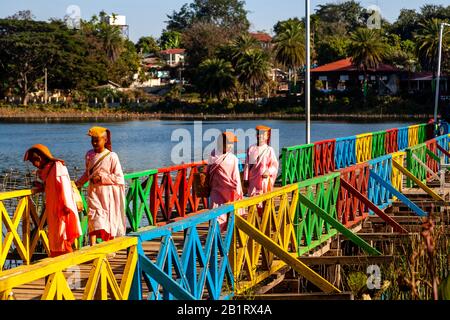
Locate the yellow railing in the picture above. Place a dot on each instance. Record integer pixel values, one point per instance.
(264, 240)
(363, 147)
(52, 277)
(252, 262)
(413, 135)
(397, 176)
(25, 212)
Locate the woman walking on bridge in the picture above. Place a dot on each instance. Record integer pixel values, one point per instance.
(223, 172)
(60, 206)
(106, 191)
(261, 164)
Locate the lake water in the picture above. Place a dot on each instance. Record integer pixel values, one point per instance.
(144, 145)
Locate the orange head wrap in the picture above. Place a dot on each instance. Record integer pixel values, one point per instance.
(42, 150)
(99, 132)
(264, 128)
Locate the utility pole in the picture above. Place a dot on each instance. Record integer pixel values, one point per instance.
(45, 93)
(436, 102)
(308, 73)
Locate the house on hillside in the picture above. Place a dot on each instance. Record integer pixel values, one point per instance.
(173, 57)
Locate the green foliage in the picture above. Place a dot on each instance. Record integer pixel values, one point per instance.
(147, 45)
(289, 45)
(170, 40)
(332, 48)
(366, 48)
(74, 59)
(222, 13)
(215, 78)
(427, 38)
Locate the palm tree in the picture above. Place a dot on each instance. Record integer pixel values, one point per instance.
(242, 45)
(253, 70)
(428, 42)
(366, 49)
(289, 46)
(215, 78)
(110, 36)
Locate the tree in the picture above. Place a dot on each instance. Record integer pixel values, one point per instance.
(366, 50)
(223, 13)
(126, 66)
(147, 45)
(22, 15)
(406, 23)
(349, 14)
(202, 41)
(332, 48)
(253, 69)
(427, 39)
(181, 20)
(170, 40)
(215, 78)
(289, 46)
(26, 48)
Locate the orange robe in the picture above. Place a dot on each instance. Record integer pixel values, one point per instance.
(63, 228)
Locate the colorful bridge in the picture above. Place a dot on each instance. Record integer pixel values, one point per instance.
(175, 250)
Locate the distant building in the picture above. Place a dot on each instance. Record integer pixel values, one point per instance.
(173, 57)
(344, 74)
(263, 38)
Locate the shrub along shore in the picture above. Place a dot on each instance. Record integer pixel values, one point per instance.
(71, 114)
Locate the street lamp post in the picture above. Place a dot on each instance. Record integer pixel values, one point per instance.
(308, 73)
(436, 102)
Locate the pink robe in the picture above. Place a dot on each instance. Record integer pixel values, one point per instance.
(63, 228)
(106, 200)
(225, 181)
(260, 159)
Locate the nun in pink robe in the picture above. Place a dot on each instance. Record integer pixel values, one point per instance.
(60, 207)
(224, 178)
(106, 198)
(261, 164)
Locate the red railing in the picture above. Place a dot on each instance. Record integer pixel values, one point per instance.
(172, 195)
(432, 163)
(350, 209)
(391, 140)
(324, 157)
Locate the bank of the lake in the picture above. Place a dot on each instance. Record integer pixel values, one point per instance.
(37, 115)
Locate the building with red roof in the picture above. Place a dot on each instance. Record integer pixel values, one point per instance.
(263, 38)
(173, 57)
(343, 74)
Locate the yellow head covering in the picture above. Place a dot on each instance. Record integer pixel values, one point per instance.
(99, 132)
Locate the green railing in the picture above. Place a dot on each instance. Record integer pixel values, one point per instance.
(297, 163)
(311, 229)
(413, 166)
(378, 144)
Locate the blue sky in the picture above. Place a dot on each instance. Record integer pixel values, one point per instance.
(146, 17)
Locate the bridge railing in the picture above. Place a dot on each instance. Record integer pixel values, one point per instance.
(275, 216)
(22, 228)
(297, 163)
(187, 259)
(85, 274)
(345, 154)
(311, 160)
(350, 209)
